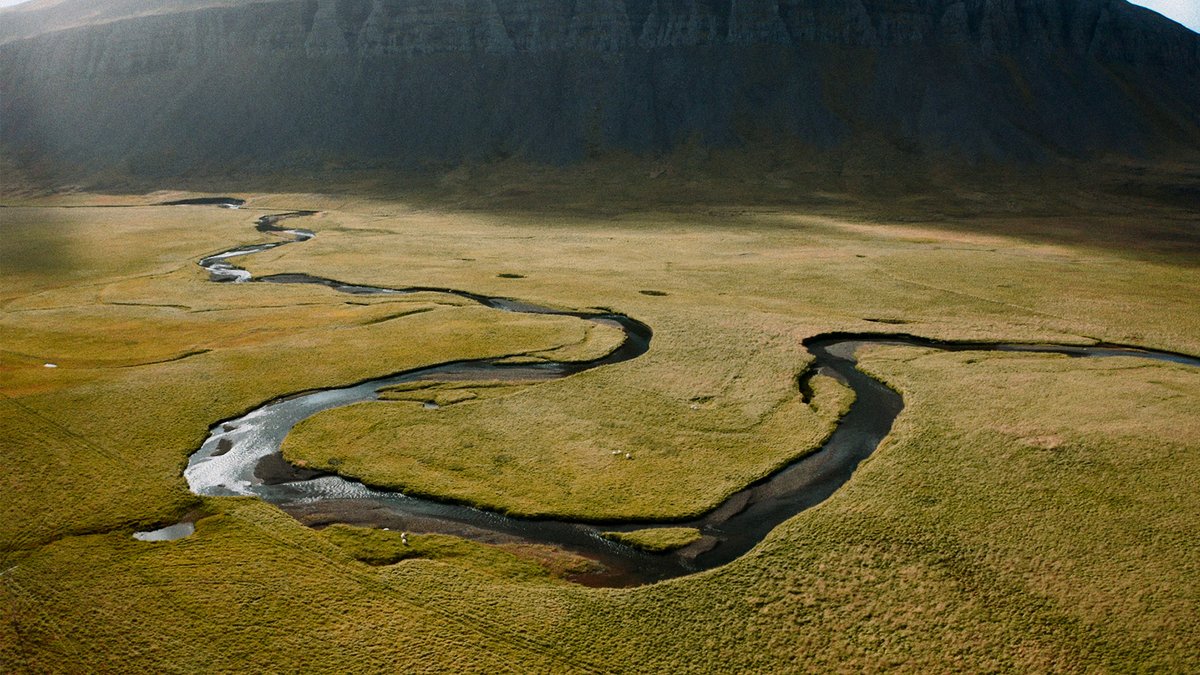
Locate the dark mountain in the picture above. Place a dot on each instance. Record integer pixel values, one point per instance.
(161, 88)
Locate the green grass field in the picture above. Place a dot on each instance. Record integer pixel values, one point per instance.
(1028, 513)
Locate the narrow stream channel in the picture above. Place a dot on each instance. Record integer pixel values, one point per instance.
(242, 456)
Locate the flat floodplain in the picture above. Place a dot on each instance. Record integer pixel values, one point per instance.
(1028, 512)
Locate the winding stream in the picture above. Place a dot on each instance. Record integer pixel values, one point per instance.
(242, 456)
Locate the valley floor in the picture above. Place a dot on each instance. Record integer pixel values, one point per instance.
(1028, 512)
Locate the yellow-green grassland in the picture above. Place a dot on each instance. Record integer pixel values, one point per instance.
(1027, 513)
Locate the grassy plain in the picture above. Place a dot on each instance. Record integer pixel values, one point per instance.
(150, 353)
(1028, 512)
(739, 293)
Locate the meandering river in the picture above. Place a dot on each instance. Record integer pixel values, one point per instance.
(242, 456)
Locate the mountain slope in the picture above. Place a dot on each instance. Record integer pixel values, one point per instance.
(201, 85)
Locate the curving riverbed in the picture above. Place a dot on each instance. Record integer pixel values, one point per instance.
(242, 456)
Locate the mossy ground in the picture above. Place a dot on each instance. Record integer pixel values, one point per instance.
(1028, 512)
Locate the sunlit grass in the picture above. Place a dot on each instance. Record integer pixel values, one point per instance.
(1029, 513)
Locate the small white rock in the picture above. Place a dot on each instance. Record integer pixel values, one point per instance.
(50, 365)
(628, 456)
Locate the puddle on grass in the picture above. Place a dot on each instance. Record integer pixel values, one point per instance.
(168, 533)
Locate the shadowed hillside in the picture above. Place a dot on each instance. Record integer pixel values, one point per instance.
(165, 89)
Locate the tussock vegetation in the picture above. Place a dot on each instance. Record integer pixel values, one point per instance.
(1029, 513)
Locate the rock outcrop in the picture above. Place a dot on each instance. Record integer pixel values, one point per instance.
(162, 88)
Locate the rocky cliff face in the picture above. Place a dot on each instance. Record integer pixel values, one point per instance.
(199, 84)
